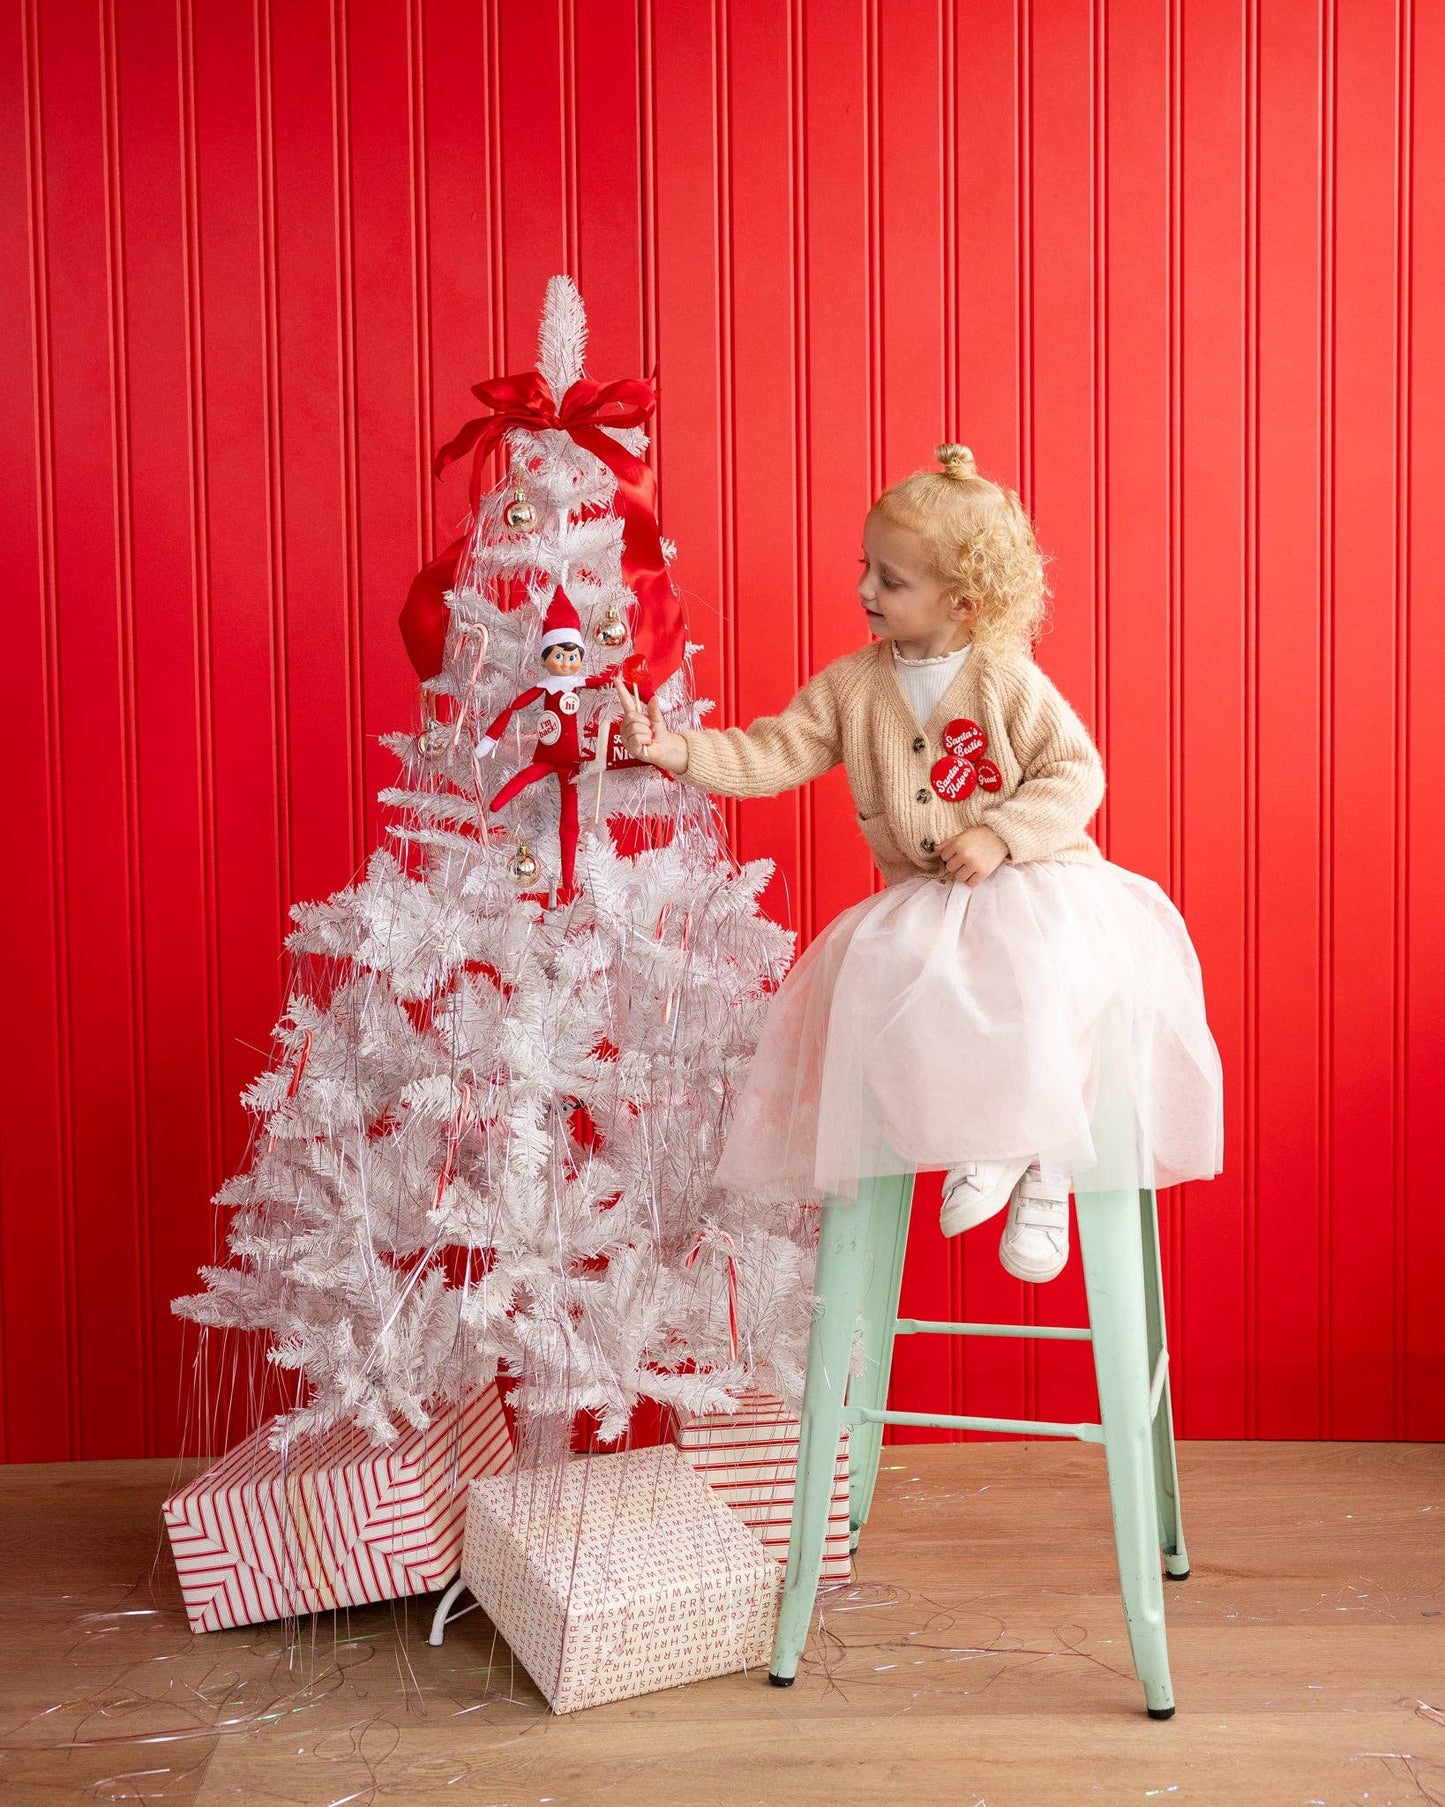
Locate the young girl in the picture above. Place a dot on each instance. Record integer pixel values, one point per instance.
(1013, 1008)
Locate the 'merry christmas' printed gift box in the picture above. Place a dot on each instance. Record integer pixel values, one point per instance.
(611, 1576)
(332, 1522)
(750, 1458)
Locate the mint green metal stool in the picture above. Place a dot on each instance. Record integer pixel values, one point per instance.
(860, 1263)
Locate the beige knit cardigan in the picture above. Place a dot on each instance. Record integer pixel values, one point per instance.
(855, 711)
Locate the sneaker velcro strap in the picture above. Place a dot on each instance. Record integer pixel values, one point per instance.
(1043, 1213)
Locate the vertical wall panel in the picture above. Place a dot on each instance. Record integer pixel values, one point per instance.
(380, 116)
(168, 953)
(1134, 648)
(831, 236)
(1209, 1227)
(756, 52)
(88, 418)
(989, 411)
(1064, 475)
(310, 347)
(1282, 1165)
(37, 1302)
(607, 140)
(456, 242)
(693, 437)
(907, 181)
(1420, 951)
(1361, 360)
(1162, 263)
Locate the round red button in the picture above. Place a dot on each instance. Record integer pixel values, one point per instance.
(965, 738)
(954, 779)
(989, 776)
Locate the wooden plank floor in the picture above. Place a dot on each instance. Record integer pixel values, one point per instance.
(979, 1660)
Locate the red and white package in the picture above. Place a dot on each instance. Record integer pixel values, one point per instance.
(333, 1521)
(750, 1458)
(611, 1576)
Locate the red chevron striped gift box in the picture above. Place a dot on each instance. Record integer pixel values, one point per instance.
(750, 1458)
(334, 1521)
(611, 1576)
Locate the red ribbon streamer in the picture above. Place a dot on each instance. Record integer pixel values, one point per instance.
(300, 1066)
(454, 1136)
(659, 628)
(296, 1073)
(425, 614)
(710, 1233)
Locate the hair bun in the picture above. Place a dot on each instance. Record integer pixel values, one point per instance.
(957, 460)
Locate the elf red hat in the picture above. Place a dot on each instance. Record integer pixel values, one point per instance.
(561, 621)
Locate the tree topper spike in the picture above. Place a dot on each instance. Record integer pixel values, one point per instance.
(562, 341)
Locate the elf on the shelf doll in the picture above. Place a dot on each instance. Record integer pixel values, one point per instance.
(559, 752)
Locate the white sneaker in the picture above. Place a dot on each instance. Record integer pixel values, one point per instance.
(1035, 1241)
(975, 1191)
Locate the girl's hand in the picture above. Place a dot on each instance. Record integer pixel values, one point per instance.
(647, 736)
(974, 854)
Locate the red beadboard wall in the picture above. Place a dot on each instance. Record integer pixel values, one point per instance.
(1157, 261)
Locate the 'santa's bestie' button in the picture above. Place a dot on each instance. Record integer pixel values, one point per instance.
(965, 738)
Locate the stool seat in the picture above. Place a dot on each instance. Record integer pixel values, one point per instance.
(860, 1268)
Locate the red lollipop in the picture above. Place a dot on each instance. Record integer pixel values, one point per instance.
(954, 779)
(965, 738)
(636, 675)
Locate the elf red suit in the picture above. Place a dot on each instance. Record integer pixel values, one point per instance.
(558, 752)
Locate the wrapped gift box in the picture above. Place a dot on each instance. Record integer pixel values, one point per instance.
(333, 1521)
(611, 1576)
(750, 1457)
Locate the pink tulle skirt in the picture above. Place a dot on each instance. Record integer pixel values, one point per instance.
(1055, 1010)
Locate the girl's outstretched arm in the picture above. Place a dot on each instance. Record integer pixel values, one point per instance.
(774, 754)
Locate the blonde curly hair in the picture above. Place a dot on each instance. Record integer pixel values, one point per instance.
(979, 542)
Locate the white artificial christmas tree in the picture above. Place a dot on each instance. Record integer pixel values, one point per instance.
(487, 1138)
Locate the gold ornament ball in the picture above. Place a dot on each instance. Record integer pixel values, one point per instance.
(612, 629)
(434, 740)
(525, 865)
(520, 515)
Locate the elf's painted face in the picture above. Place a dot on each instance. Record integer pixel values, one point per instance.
(563, 661)
(903, 598)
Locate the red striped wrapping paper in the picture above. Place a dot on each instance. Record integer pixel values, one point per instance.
(335, 1522)
(750, 1458)
(612, 1576)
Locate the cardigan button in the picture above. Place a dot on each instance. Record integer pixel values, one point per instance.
(928, 846)
(919, 744)
(921, 797)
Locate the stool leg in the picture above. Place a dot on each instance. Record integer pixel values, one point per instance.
(1166, 1468)
(1111, 1245)
(887, 1239)
(842, 1244)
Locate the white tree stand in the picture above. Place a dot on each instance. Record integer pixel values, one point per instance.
(444, 1614)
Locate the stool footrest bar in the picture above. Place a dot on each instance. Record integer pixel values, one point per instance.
(1156, 1381)
(946, 1421)
(1062, 1333)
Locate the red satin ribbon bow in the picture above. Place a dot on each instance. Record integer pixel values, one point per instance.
(710, 1233)
(659, 629)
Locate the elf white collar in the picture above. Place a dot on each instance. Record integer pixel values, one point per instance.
(554, 685)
